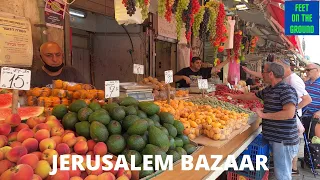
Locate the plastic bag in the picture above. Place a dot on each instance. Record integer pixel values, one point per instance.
(300, 127)
(234, 72)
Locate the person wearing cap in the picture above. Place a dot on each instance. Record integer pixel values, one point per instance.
(185, 76)
(313, 109)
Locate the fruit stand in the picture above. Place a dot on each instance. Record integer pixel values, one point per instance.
(77, 120)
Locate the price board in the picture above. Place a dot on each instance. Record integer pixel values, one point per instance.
(202, 83)
(168, 76)
(112, 89)
(14, 78)
(138, 69)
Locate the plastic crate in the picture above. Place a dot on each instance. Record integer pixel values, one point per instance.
(236, 176)
(258, 146)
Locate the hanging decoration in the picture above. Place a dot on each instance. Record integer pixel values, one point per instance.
(204, 24)
(181, 6)
(198, 17)
(236, 45)
(216, 62)
(188, 17)
(221, 30)
(161, 7)
(144, 5)
(214, 10)
(130, 6)
(169, 5)
(253, 43)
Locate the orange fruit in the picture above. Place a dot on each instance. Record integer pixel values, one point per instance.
(58, 84)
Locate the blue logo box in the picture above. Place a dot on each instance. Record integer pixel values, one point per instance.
(301, 18)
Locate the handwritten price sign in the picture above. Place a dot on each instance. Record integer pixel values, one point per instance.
(168, 76)
(112, 89)
(138, 69)
(203, 83)
(14, 78)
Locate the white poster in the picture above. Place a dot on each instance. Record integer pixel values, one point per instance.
(16, 48)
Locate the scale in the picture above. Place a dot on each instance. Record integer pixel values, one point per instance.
(137, 91)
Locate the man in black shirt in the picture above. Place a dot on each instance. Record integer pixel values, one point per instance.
(52, 57)
(186, 75)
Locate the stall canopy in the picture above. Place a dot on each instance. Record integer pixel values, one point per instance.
(277, 14)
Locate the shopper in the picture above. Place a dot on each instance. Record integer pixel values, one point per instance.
(279, 125)
(303, 99)
(190, 74)
(51, 55)
(313, 87)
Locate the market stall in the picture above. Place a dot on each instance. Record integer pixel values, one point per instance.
(147, 116)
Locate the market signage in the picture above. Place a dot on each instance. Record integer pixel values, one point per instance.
(161, 163)
(302, 18)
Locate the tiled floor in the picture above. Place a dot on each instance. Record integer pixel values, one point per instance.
(306, 173)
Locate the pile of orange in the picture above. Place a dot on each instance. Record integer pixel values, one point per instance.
(215, 123)
(63, 93)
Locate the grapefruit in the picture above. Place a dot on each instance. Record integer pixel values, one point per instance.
(24, 112)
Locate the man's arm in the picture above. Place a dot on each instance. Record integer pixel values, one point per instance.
(246, 96)
(179, 77)
(219, 66)
(288, 112)
(306, 99)
(253, 73)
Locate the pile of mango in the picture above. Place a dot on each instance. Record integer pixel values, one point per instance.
(216, 123)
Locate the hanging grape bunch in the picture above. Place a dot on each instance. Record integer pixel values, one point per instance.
(204, 23)
(195, 7)
(211, 27)
(169, 5)
(130, 6)
(174, 6)
(143, 5)
(161, 7)
(182, 5)
(186, 17)
(197, 21)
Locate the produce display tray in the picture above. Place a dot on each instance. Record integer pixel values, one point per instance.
(134, 86)
(205, 141)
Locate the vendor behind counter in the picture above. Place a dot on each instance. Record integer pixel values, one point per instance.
(189, 75)
(51, 55)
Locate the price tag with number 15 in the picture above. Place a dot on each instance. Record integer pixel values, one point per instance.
(112, 89)
(14, 78)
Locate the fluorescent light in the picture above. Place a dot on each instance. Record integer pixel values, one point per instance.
(77, 13)
(241, 7)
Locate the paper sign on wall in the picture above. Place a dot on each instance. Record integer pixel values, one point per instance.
(14, 78)
(138, 69)
(16, 48)
(202, 83)
(168, 76)
(112, 89)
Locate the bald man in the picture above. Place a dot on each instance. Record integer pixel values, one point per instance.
(52, 57)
